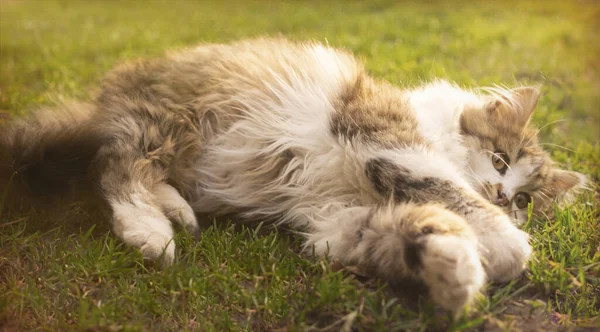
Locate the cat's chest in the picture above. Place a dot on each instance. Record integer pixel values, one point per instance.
(438, 124)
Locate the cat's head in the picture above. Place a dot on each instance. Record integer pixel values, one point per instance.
(507, 164)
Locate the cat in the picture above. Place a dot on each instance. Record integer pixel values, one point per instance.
(427, 183)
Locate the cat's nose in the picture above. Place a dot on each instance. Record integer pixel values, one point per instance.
(500, 199)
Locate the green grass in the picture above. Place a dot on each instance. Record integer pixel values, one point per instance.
(61, 268)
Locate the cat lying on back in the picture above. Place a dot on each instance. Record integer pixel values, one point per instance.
(427, 183)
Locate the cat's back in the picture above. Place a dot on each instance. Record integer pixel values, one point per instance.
(270, 81)
(262, 64)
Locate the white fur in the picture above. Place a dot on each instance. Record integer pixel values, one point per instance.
(437, 107)
(452, 268)
(141, 224)
(175, 207)
(294, 120)
(516, 177)
(504, 248)
(322, 186)
(483, 169)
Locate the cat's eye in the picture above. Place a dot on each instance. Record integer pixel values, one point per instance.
(500, 161)
(522, 200)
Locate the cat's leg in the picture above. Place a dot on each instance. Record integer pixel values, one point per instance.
(176, 208)
(423, 178)
(132, 176)
(426, 242)
(504, 248)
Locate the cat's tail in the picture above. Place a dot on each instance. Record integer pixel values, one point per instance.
(46, 153)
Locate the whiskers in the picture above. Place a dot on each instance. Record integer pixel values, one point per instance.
(517, 210)
(544, 192)
(534, 136)
(514, 212)
(557, 146)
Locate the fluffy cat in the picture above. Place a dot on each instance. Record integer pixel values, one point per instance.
(425, 183)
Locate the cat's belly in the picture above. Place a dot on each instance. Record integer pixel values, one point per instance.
(267, 177)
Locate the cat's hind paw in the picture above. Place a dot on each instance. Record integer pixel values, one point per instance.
(176, 208)
(144, 226)
(159, 249)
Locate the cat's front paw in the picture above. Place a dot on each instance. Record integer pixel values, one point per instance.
(451, 268)
(505, 251)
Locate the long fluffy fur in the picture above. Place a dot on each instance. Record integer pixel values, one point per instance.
(297, 133)
(47, 153)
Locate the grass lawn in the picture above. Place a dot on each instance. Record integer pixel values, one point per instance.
(61, 268)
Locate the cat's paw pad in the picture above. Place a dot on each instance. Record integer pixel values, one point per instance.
(451, 268)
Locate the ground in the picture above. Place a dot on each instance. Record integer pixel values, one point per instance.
(61, 268)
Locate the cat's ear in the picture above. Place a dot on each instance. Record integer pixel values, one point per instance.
(526, 99)
(562, 183)
(518, 103)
